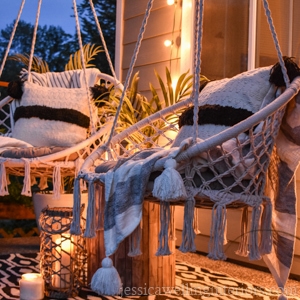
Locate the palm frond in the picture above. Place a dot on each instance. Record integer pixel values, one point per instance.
(89, 53)
(38, 65)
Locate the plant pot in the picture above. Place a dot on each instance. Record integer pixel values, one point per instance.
(40, 201)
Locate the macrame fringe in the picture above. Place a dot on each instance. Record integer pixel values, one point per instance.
(99, 202)
(218, 224)
(165, 216)
(188, 233)
(282, 297)
(106, 280)
(135, 242)
(75, 225)
(169, 185)
(90, 230)
(26, 191)
(43, 183)
(3, 180)
(196, 222)
(172, 235)
(243, 246)
(254, 253)
(56, 182)
(266, 229)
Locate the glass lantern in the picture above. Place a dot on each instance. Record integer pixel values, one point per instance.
(63, 262)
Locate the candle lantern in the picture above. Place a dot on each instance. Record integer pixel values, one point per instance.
(63, 255)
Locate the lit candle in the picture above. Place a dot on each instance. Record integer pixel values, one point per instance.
(62, 265)
(31, 286)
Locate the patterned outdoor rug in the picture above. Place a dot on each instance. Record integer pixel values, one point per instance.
(191, 283)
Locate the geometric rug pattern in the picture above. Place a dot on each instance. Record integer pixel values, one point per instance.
(191, 283)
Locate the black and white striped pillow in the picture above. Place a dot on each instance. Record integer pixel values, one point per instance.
(52, 116)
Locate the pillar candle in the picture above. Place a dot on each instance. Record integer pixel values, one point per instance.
(31, 286)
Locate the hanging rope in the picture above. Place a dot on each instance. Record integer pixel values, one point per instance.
(197, 63)
(93, 129)
(12, 36)
(103, 40)
(34, 39)
(276, 43)
(129, 73)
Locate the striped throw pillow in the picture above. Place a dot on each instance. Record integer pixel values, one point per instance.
(52, 116)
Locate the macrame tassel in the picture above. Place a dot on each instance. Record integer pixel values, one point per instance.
(106, 280)
(26, 191)
(135, 242)
(188, 233)
(196, 222)
(75, 225)
(3, 180)
(90, 230)
(43, 183)
(243, 246)
(169, 185)
(172, 224)
(165, 214)
(100, 206)
(266, 229)
(254, 234)
(56, 182)
(282, 297)
(218, 225)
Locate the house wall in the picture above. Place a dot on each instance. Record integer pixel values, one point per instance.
(164, 23)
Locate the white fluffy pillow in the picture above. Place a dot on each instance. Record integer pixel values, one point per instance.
(52, 116)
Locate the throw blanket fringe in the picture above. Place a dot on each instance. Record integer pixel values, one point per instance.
(216, 242)
(165, 216)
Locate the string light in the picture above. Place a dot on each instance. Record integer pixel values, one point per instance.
(170, 2)
(168, 43)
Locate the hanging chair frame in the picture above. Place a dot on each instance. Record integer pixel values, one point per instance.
(61, 163)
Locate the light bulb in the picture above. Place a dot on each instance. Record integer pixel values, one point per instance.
(168, 43)
(170, 2)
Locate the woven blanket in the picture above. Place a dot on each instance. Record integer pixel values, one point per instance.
(125, 189)
(284, 199)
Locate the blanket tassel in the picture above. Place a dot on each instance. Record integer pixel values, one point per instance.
(216, 242)
(106, 280)
(165, 214)
(188, 232)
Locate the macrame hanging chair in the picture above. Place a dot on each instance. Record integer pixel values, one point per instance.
(34, 145)
(235, 167)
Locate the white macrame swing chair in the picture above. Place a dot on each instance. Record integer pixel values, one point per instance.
(232, 168)
(44, 149)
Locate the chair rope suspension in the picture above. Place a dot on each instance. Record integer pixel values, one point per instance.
(12, 36)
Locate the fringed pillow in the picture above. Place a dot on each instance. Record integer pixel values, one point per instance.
(52, 116)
